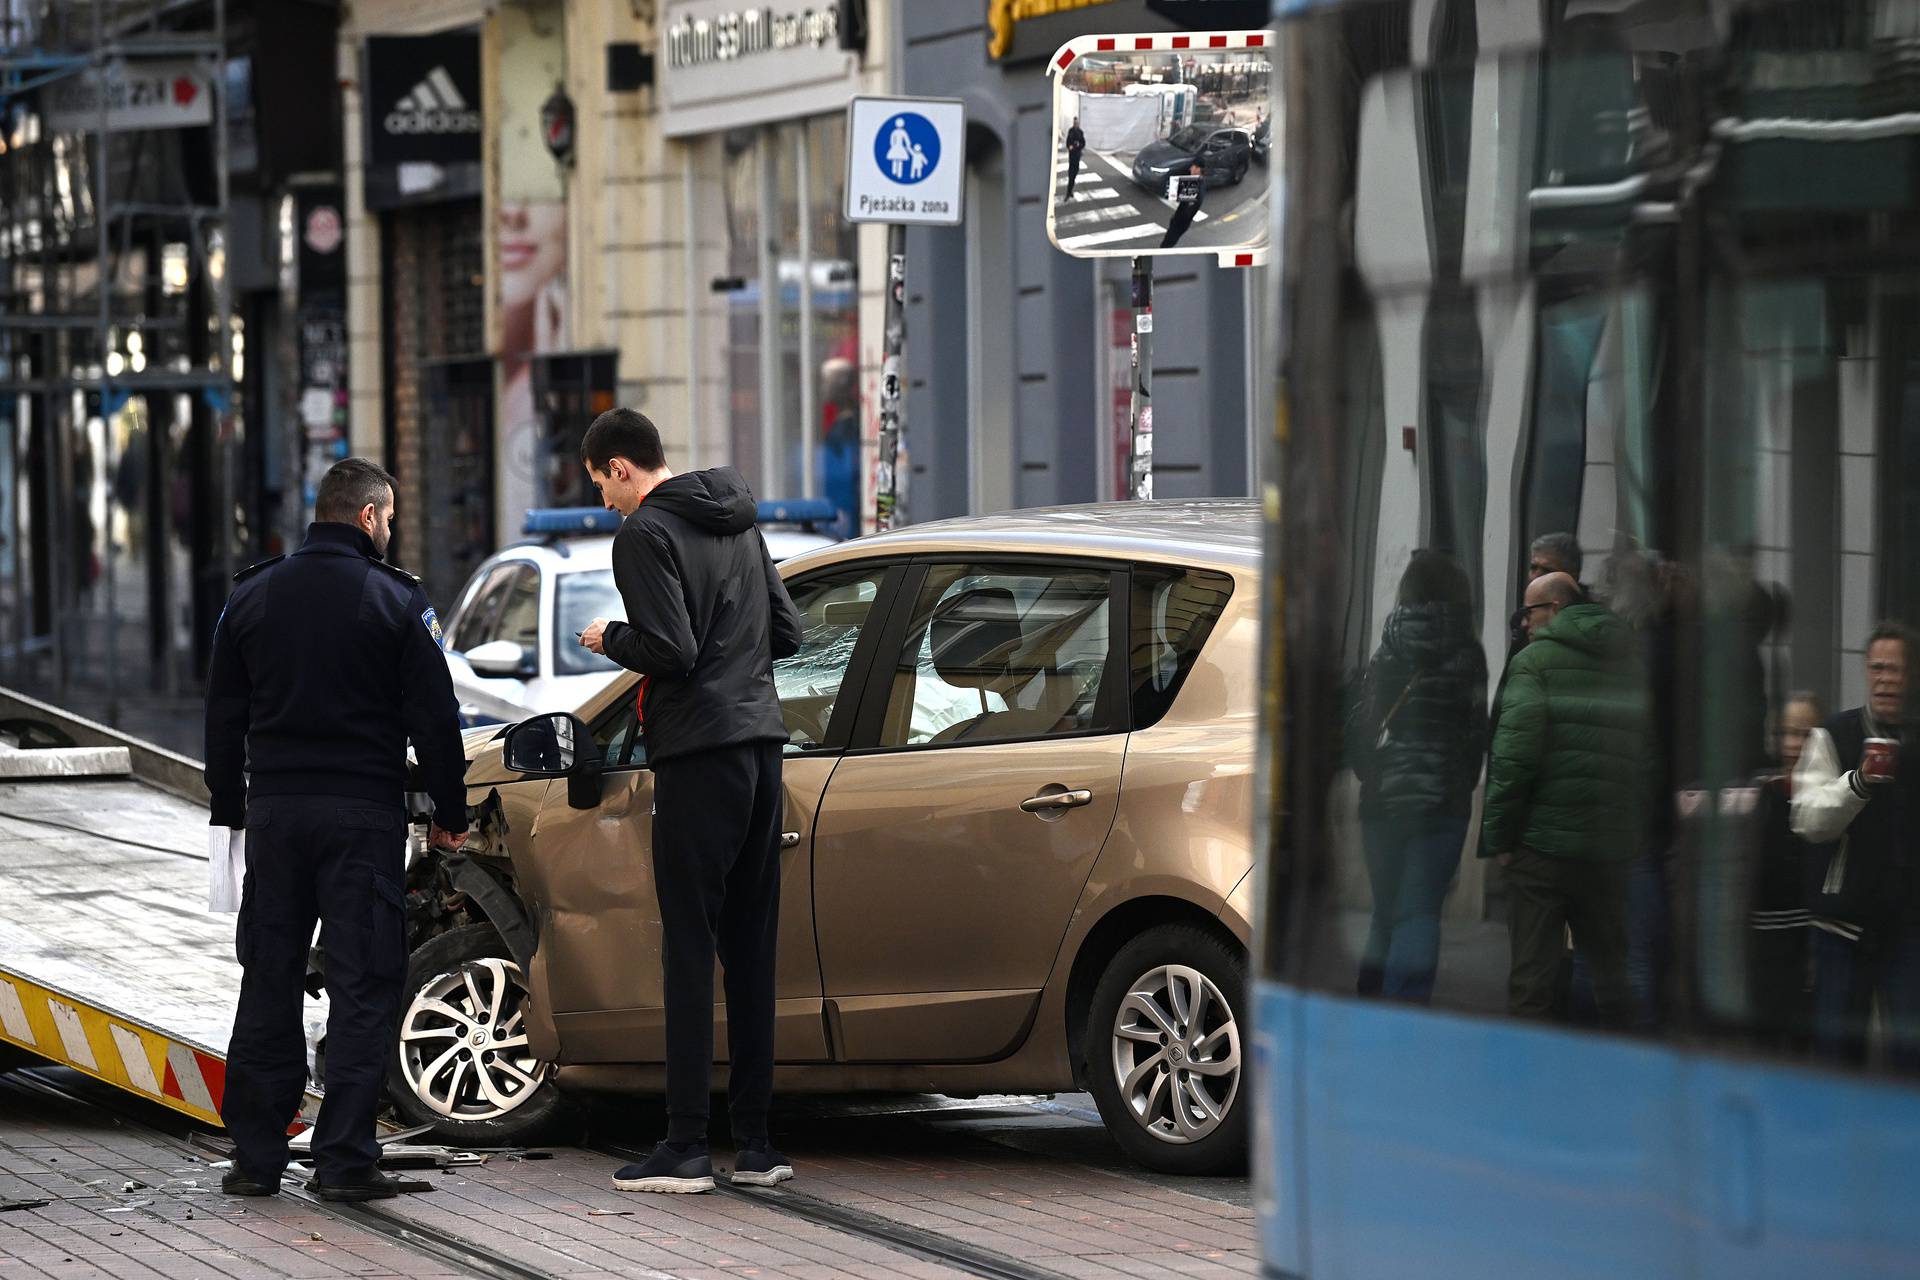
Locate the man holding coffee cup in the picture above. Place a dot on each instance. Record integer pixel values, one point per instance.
(1854, 801)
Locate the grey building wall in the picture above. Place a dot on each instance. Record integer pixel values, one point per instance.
(1040, 357)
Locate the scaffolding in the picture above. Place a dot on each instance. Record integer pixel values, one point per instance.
(116, 318)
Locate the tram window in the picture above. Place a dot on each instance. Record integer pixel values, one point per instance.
(1634, 798)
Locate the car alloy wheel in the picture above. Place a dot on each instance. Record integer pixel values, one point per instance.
(1176, 1053)
(463, 1042)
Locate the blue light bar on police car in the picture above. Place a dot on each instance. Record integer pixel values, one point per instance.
(571, 520)
(798, 511)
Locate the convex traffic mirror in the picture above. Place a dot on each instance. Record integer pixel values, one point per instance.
(1161, 145)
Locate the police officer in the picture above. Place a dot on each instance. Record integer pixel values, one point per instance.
(325, 663)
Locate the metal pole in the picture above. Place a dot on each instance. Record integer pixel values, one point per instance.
(10, 413)
(690, 212)
(1140, 456)
(111, 632)
(809, 372)
(770, 470)
(223, 420)
(893, 427)
(286, 359)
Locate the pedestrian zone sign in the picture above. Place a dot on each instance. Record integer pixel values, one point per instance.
(906, 160)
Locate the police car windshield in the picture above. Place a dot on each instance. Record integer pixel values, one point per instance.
(579, 598)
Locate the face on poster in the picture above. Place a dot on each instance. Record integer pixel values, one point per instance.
(1162, 150)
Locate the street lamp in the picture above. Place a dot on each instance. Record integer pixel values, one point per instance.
(556, 124)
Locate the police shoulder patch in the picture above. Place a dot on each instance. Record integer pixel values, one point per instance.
(252, 569)
(432, 621)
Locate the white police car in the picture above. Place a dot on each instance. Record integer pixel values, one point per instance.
(510, 638)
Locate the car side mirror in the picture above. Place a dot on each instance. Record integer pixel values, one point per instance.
(499, 658)
(557, 746)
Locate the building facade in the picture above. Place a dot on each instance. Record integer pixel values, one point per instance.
(557, 206)
(1018, 353)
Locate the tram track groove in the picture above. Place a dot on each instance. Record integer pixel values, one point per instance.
(917, 1242)
(468, 1256)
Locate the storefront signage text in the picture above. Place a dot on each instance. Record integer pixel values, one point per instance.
(148, 95)
(728, 65)
(693, 42)
(1003, 15)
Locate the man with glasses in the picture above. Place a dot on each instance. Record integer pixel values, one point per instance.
(1566, 793)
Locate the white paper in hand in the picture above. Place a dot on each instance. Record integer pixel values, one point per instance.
(226, 868)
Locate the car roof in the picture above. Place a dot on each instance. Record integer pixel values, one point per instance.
(1224, 532)
(573, 554)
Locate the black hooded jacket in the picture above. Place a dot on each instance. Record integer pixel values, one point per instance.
(1427, 686)
(707, 615)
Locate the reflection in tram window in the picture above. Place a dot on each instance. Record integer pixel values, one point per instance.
(1615, 303)
(1415, 744)
(1604, 309)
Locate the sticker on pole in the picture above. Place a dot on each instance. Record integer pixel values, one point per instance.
(906, 160)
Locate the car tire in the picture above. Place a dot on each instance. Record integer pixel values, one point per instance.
(1176, 1103)
(455, 983)
(1240, 174)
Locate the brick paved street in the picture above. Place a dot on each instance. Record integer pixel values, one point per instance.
(982, 1176)
(175, 1223)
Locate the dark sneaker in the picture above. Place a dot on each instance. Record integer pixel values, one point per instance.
(238, 1182)
(673, 1170)
(373, 1185)
(758, 1165)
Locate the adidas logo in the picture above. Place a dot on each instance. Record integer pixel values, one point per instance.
(433, 106)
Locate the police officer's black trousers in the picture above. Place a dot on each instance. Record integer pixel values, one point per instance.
(338, 862)
(716, 866)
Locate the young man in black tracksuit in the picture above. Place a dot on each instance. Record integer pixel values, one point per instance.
(706, 617)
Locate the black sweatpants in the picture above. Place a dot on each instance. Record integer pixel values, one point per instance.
(716, 867)
(341, 863)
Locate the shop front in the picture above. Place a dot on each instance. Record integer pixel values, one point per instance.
(756, 100)
(422, 179)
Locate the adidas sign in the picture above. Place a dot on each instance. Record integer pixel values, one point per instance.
(435, 105)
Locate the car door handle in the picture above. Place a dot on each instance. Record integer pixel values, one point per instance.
(1056, 800)
(789, 839)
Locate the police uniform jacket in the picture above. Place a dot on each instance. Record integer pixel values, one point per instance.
(325, 663)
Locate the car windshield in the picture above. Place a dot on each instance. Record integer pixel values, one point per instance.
(579, 598)
(1190, 138)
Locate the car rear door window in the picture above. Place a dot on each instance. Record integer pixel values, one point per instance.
(1173, 611)
(999, 654)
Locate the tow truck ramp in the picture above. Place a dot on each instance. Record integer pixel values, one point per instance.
(110, 962)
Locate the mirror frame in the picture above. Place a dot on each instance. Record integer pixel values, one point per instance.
(1243, 255)
(583, 779)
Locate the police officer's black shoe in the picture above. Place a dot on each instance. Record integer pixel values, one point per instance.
(757, 1164)
(373, 1185)
(671, 1169)
(238, 1182)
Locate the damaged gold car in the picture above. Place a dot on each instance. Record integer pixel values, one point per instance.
(1019, 777)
